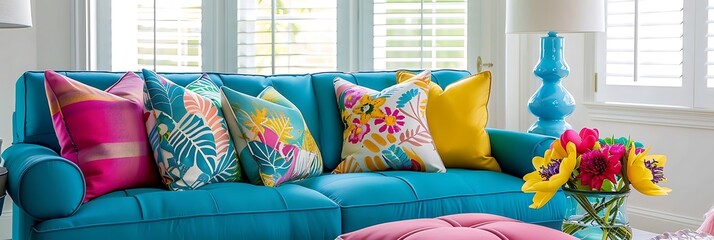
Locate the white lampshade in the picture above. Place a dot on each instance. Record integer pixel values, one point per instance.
(15, 14)
(562, 16)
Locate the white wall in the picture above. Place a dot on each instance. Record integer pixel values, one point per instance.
(689, 163)
(44, 46)
(17, 55)
(52, 23)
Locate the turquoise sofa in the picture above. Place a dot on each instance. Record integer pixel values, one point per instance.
(47, 189)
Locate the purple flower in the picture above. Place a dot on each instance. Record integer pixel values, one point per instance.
(657, 171)
(552, 169)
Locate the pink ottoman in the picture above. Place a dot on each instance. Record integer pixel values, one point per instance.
(458, 226)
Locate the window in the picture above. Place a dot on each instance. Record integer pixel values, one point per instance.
(268, 36)
(644, 40)
(295, 36)
(278, 36)
(164, 35)
(419, 34)
(656, 52)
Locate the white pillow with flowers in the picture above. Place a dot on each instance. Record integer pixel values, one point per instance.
(386, 130)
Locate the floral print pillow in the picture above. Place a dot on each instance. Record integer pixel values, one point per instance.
(272, 130)
(188, 133)
(386, 130)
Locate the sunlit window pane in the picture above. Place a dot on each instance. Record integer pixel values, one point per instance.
(417, 34)
(296, 36)
(164, 38)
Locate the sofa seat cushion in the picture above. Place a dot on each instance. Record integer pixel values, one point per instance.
(377, 197)
(214, 211)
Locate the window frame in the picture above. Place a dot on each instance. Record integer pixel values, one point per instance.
(692, 94)
(215, 32)
(703, 95)
(354, 23)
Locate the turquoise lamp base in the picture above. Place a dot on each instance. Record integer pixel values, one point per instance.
(550, 127)
(551, 103)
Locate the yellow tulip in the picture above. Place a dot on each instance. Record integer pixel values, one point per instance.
(550, 174)
(644, 171)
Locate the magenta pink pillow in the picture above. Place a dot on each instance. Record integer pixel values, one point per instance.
(103, 132)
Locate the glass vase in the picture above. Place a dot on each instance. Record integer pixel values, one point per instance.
(596, 215)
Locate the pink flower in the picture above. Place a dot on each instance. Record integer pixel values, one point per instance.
(392, 121)
(352, 96)
(598, 165)
(358, 132)
(584, 142)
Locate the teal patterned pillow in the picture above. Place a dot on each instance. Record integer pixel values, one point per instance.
(188, 133)
(272, 138)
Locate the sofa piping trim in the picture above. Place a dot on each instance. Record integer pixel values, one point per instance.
(213, 199)
(342, 208)
(432, 199)
(34, 228)
(24, 110)
(282, 198)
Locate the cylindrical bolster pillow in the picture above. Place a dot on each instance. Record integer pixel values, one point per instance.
(43, 184)
(515, 150)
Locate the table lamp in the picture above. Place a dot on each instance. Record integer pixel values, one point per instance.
(15, 14)
(551, 103)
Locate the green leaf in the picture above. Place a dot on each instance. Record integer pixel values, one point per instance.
(607, 186)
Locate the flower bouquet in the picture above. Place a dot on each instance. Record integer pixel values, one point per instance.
(596, 175)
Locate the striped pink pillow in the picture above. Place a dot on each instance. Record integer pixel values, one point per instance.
(103, 132)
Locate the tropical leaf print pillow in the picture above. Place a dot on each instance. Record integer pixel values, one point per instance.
(386, 130)
(188, 133)
(273, 131)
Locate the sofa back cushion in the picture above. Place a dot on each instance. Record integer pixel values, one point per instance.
(313, 94)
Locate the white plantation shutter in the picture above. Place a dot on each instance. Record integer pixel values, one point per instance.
(295, 36)
(710, 44)
(164, 35)
(645, 42)
(281, 36)
(704, 55)
(419, 34)
(645, 53)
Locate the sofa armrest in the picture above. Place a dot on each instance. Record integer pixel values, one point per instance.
(514, 151)
(42, 183)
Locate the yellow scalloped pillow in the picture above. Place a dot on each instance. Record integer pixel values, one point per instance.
(457, 119)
